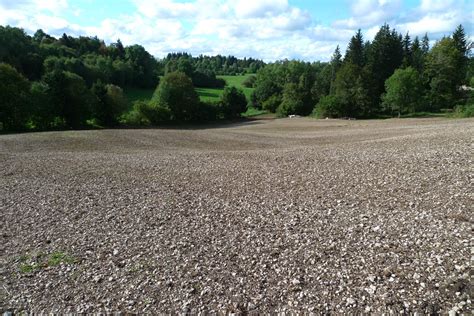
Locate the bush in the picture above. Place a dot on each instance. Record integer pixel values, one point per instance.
(328, 106)
(404, 91)
(207, 79)
(233, 102)
(176, 93)
(114, 104)
(44, 114)
(14, 98)
(208, 112)
(249, 82)
(292, 101)
(464, 111)
(272, 103)
(135, 117)
(289, 106)
(154, 113)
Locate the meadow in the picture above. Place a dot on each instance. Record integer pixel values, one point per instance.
(212, 95)
(205, 94)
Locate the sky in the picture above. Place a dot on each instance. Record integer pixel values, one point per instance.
(265, 29)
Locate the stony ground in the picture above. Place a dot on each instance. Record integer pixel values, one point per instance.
(265, 216)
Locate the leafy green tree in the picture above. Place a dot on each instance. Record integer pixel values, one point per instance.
(351, 92)
(272, 103)
(78, 102)
(99, 89)
(73, 101)
(291, 102)
(404, 91)
(249, 82)
(19, 50)
(442, 73)
(185, 66)
(328, 106)
(120, 49)
(151, 113)
(144, 66)
(14, 99)
(44, 113)
(233, 102)
(324, 78)
(176, 92)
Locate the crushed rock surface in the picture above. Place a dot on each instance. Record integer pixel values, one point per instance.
(290, 215)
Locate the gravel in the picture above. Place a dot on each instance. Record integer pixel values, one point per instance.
(299, 215)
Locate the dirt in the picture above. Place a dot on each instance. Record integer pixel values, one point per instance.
(324, 216)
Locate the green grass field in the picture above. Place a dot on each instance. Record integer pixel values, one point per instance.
(209, 94)
(237, 81)
(205, 94)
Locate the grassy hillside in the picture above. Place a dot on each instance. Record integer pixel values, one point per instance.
(237, 81)
(205, 94)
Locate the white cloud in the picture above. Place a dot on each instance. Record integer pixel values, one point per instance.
(437, 5)
(367, 13)
(442, 23)
(267, 29)
(438, 18)
(260, 8)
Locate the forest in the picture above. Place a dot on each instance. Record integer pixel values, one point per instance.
(49, 83)
(392, 75)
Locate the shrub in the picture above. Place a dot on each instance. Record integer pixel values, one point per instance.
(208, 112)
(154, 113)
(272, 103)
(249, 82)
(289, 106)
(328, 106)
(176, 93)
(44, 111)
(233, 102)
(464, 111)
(14, 98)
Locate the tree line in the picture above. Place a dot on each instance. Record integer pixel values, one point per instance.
(73, 82)
(392, 75)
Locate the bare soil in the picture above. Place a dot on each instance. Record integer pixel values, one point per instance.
(302, 215)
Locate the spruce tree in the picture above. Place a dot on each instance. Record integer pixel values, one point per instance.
(407, 52)
(355, 50)
(425, 44)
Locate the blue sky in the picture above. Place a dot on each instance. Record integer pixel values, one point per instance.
(266, 29)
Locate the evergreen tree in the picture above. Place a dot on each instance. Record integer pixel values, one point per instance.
(460, 41)
(335, 64)
(407, 51)
(417, 58)
(355, 50)
(459, 38)
(425, 44)
(386, 55)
